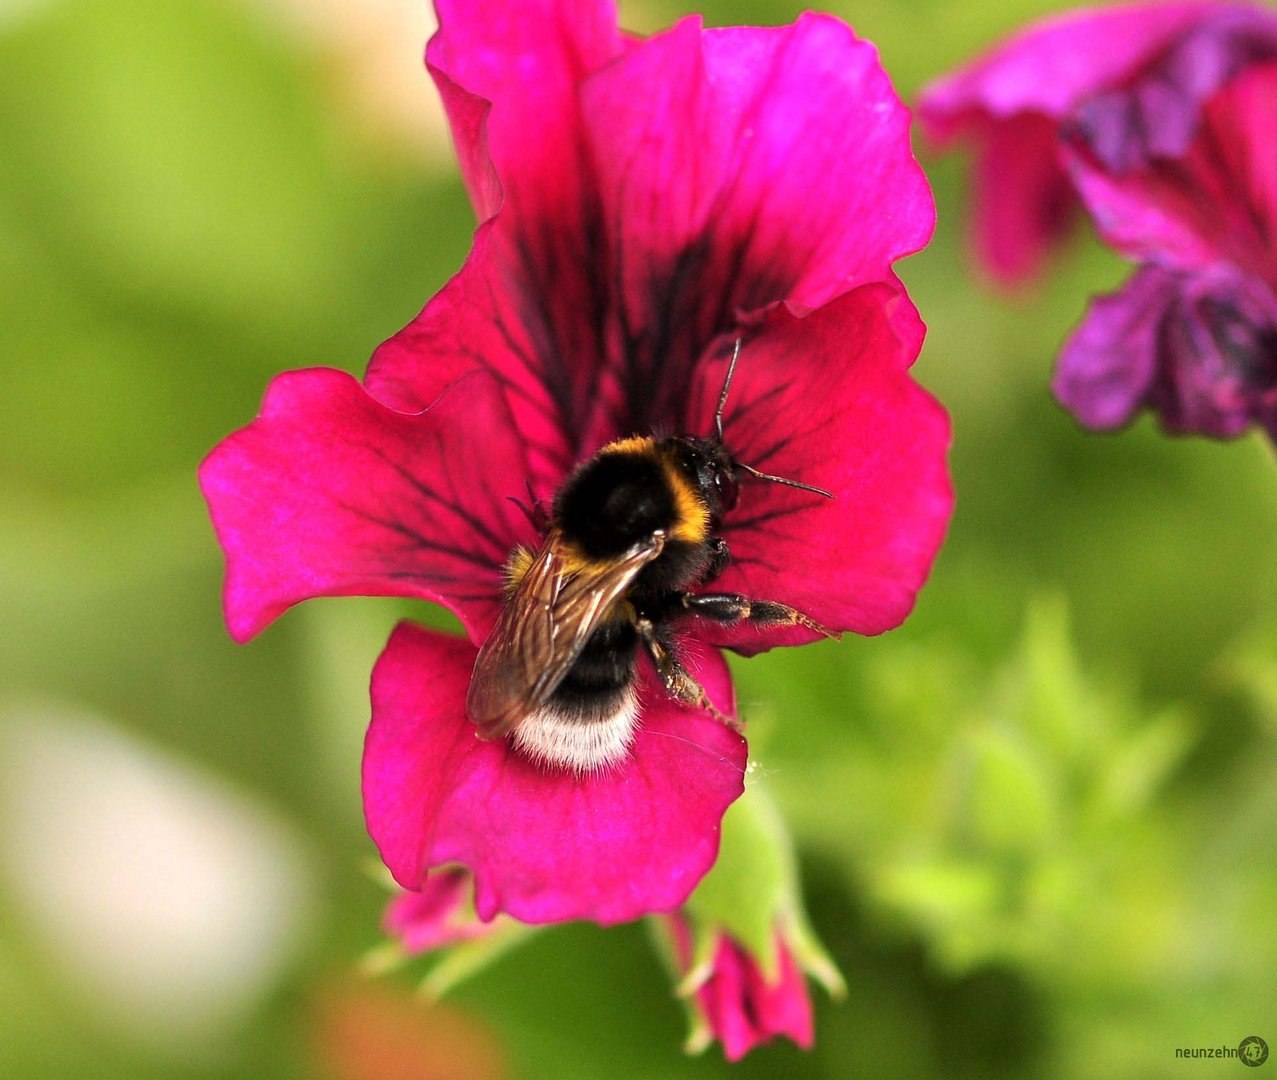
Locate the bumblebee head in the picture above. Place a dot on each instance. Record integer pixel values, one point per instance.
(708, 469)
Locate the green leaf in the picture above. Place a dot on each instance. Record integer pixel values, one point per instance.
(753, 895)
(1013, 801)
(754, 879)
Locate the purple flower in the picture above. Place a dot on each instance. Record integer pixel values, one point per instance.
(1161, 121)
(1130, 80)
(1193, 334)
(1199, 350)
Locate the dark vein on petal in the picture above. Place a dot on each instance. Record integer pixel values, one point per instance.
(476, 523)
(763, 457)
(412, 535)
(738, 415)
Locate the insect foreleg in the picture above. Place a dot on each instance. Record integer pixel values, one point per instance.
(734, 608)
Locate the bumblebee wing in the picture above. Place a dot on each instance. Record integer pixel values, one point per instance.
(558, 603)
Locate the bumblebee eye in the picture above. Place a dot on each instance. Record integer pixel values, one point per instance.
(725, 486)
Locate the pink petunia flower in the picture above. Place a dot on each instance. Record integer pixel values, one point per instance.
(1129, 79)
(733, 998)
(643, 204)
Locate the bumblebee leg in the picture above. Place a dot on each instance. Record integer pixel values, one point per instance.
(733, 608)
(678, 681)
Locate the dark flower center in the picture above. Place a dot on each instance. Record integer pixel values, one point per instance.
(1249, 351)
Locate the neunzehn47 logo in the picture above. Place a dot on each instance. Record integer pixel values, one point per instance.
(1251, 1051)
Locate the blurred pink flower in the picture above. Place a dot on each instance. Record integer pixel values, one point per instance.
(441, 913)
(734, 1000)
(1130, 80)
(1160, 120)
(642, 205)
(1193, 334)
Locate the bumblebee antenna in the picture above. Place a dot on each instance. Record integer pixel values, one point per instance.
(718, 428)
(782, 480)
(727, 385)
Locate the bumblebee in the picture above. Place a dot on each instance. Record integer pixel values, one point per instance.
(631, 531)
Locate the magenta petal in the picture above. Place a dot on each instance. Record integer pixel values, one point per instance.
(440, 914)
(726, 1003)
(827, 399)
(1108, 364)
(1023, 199)
(544, 846)
(329, 493)
(475, 323)
(1053, 65)
(535, 275)
(1215, 207)
(744, 1010)
(526, 58)
(1159, 216)
(1156, 115)
(468, 118)
(1243, 121)
(755, 165)
(782, 1007)
(646, 213)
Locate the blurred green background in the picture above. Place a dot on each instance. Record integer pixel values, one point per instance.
(1037, 824)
